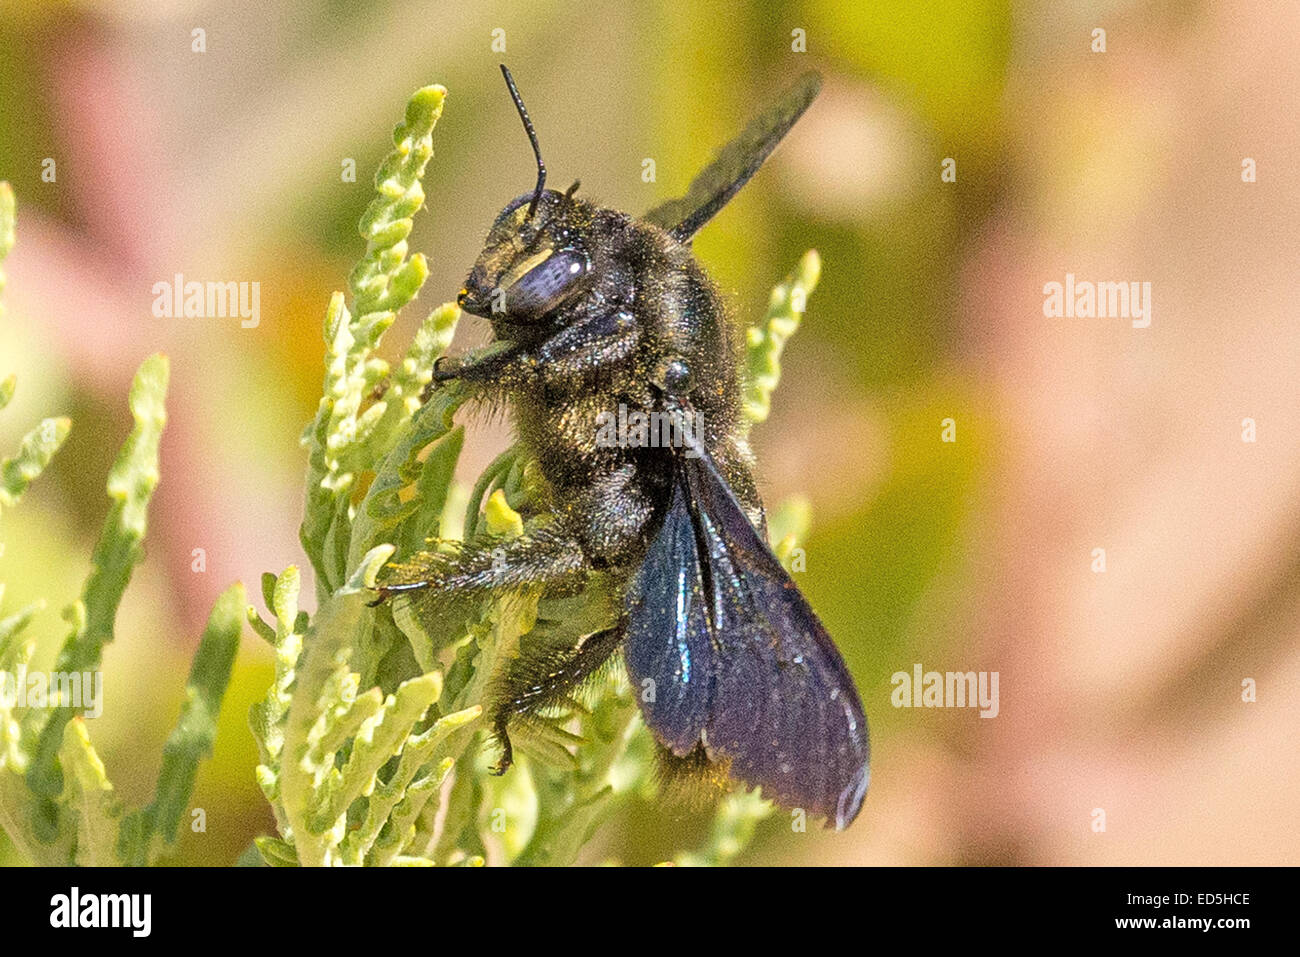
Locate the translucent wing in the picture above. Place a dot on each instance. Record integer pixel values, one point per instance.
(735, 163)
(724, 650)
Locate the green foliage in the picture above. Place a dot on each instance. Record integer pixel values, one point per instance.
(34, 453)
(146, 831)
(343, 438)
(355, 736)
(131, 482)
(765, 341)
(733, 828)
(56, 802)
(324, 744)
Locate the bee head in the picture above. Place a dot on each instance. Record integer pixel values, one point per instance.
(532, 264)
(534, 261)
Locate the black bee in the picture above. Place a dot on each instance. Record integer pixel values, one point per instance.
(597, 313)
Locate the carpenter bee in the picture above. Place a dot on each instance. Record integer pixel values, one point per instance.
(595, 314)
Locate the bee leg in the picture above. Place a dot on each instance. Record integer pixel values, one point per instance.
(507, 758)
(547, 556)
(481, 366)
(574, 354)
(544, 675)
(584, 351)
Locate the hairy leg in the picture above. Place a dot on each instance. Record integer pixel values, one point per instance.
(548, 556)
(569, 357)
(545, 674)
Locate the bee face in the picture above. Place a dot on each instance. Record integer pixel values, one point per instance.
(533, 265)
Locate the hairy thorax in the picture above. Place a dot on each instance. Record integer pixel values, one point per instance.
(598, 430)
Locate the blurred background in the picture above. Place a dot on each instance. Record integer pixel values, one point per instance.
(1119, 690)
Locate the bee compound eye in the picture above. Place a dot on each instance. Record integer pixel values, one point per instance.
(547, 285)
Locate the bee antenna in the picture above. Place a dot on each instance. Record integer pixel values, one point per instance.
(532, 138)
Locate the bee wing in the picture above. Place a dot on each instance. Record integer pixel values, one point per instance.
(737, 657)
(735, 163)
(669, 649)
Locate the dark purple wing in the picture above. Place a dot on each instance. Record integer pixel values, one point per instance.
(669, 648)
(738, 659)
(735, 163)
